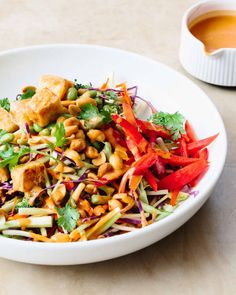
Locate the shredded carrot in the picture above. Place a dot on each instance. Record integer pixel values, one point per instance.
(105, 85)
(174, 196)
(135, 181)
(126, 96)
(129, 114)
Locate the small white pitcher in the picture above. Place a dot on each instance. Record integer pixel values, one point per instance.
(217, 67)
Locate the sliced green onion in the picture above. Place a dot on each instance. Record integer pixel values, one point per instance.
(150, 209)
(43, 231)
(160, 192)
(30, 222)
(34, 211)
(142, 193)
(15, 232)
(99, 200)
(107, 149)
(161, 200)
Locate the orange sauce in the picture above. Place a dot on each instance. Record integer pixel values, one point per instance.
(216, 29)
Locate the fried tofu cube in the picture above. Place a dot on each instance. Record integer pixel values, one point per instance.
(26, 176)
(19, 112)
(57, 85)
(4, 174)
(6, 121)
(45, 107)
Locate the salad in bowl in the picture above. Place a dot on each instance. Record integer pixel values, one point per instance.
(78, 163)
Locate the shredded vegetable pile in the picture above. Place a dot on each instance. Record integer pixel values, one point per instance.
(76, 162)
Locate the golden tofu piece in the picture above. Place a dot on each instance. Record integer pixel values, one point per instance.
(4, 174)
(57, 85)
(25, 177)
(19, 112)
(45, 107)
(6, 121)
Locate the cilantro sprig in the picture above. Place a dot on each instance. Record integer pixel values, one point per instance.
(10, 157)
(68, 217)
(5, 104)
(95, 117)
(60, 135)
(81, 86)
(28, 94)
(172, 122)
(24, 203)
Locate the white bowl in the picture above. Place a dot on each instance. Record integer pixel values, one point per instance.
(217, 67)
(168, 91)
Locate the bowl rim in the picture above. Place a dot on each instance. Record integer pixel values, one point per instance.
(142, 231)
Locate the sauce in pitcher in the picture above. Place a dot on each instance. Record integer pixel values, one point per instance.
(215, 29)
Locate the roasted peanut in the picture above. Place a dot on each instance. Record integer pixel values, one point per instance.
(80, 134)
(71, 130)
(58, 193)
(116, 161)
(104, 168)
(78, 144)
(99, 210)
(96, 135)
(84, 204)
(92, 175)
(112, 204)
(61, 119)
(101, 159)
(76, 194)
(74, 110)
(71, 122)
(91, 152)
(91, 189)
(82, 100)
(122, 152)
(74, 156)
(67, 103)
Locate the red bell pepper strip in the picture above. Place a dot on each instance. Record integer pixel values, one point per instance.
(69, 185)
(151, 179)
(190, 132)
(183, 147)
(159, 167)
(180, 161)
(174, 195)
(129, 114)
(133, 148)
(196, 146)
(145, 125)
(131, 132)
(203, 154)
(144, 163)
(183, 176)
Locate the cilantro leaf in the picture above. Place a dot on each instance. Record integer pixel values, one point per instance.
(89, 111)
(5, 104)
(2, 132)
(81, 86)
(28, 94)
(68, 217)
(11, 158)
(111, 95)
(24, 203)
(108, 110)
(60, 135)
(172, 122)
(96, 118)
